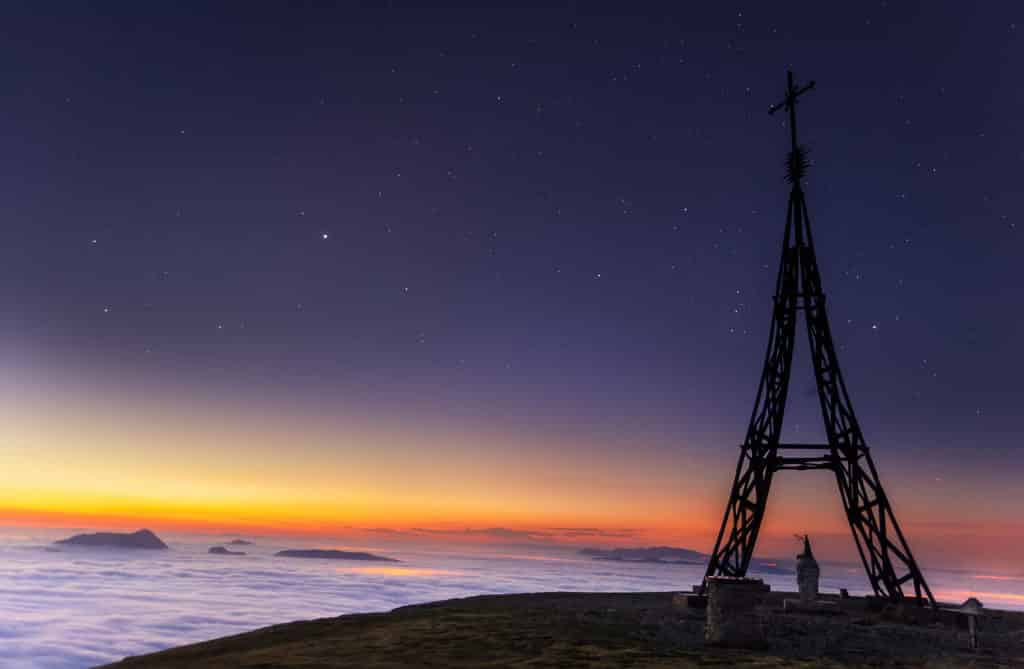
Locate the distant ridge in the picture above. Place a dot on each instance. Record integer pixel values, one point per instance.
(333, 555)
(672, 555)
(140, 539)
(654, 554)
(220, 550)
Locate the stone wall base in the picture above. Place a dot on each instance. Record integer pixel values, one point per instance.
(735, 613)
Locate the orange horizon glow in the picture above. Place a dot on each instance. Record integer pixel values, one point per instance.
(988, 596)
(454, 531)
(123, 456)
(832, 543)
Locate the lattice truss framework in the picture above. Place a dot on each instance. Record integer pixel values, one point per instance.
(883, 549)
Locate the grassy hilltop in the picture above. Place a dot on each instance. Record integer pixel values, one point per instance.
(590, 630)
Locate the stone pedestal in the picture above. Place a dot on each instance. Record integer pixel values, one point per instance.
(734, 616)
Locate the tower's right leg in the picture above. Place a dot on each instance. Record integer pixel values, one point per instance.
(883, 549)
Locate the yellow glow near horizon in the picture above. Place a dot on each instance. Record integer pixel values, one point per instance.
(85, 453)
(123, 455)
(398, 571)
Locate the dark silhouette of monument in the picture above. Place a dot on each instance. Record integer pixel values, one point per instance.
(883, 549)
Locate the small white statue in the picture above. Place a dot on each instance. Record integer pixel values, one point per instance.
(807, 572)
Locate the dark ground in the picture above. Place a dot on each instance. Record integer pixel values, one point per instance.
(600, 630)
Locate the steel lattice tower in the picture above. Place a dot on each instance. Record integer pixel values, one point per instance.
(883, 549)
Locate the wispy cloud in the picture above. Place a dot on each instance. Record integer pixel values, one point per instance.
(77, 608)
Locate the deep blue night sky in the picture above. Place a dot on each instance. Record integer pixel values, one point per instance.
(551, 216)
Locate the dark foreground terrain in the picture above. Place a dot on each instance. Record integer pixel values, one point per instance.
(600, 630)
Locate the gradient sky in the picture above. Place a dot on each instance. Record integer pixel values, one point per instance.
(322, 268)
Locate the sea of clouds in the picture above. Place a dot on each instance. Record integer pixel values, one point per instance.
(69, 608)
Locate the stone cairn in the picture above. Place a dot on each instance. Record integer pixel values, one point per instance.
(807, 573)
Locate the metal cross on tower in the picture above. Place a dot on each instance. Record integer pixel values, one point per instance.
(883, 549)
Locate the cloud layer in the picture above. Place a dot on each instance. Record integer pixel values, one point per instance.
(81, 607)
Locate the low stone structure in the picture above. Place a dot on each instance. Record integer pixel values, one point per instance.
(817, 607)
(690, 600)
(735, 615)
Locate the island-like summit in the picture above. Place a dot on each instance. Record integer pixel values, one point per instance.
(140, 539)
